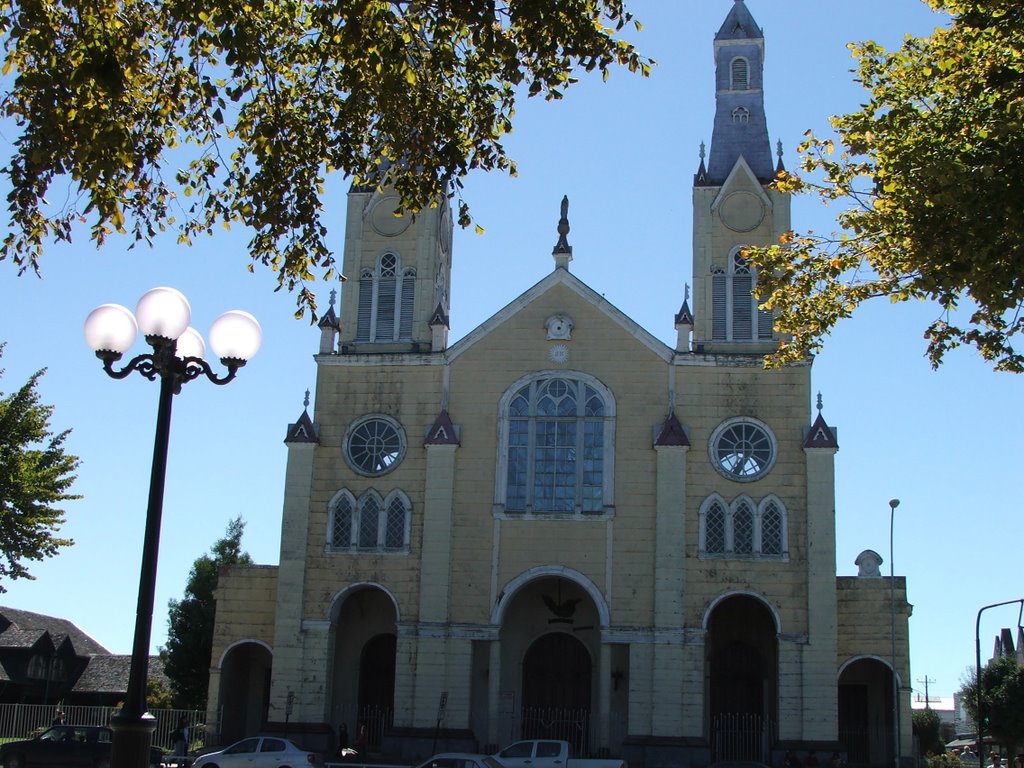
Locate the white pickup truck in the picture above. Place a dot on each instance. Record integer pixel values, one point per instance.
(549, 753)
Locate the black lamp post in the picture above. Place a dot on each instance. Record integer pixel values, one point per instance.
(893, 503)
(163, 316)
(977, 668)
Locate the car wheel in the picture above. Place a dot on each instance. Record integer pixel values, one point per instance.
(13, 761)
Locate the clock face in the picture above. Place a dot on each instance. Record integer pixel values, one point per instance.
(742, 211)
(383, 218)
(558, 353)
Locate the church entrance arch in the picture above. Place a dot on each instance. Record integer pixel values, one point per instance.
(865, 712)
(362, 658)
(550, 646)
(244, 695)
(742, 679)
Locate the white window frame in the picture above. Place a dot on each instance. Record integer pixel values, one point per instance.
(727, 307)
(358, 504)
(758, 510)
(608, 451)
(371, 326)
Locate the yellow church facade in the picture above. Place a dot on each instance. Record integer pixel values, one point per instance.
(559, 526)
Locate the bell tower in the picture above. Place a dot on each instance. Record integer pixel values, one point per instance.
(733, 207)
(396, 298)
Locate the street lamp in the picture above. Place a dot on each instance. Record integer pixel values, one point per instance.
(163, 315)
(893, 503)
(977, 668)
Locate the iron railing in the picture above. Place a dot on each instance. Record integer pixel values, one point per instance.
(737, 736)
(23, 721)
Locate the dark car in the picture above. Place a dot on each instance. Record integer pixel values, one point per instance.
(66, 745)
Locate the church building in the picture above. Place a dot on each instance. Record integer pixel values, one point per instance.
(558, 526)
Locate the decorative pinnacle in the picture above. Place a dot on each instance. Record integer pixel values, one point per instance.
(702, 150)
(778, 150)
(819, 402)
(334, 295)
(305, 401)
(686, 291)
(563, 228)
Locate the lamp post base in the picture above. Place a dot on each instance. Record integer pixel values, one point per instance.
(133, 736)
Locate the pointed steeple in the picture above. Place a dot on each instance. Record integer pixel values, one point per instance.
(741, 129)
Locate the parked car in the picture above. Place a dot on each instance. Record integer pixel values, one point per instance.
(66, 745)
(259, 752)
(460, 760)
(549, 753)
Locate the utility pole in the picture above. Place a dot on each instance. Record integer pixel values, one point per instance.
(925, 682)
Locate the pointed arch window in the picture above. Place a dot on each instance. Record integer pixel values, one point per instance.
(369, 523)
(741, 115)
(743, 529)
(386, 301)
(739, 73)
(734, 312)
(555, 446)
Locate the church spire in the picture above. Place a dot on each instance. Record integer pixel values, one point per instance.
(741, 129)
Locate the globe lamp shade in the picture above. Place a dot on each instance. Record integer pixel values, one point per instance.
(110, 328)
(163, 312)
(190, 344)
(235, 335)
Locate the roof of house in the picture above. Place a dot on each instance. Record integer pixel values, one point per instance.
(23, 629)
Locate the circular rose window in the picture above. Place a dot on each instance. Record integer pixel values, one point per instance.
(374, 445)
(742, 449)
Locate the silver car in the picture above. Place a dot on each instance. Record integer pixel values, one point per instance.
(260, 752)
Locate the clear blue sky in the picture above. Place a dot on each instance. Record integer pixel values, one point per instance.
(624, 152)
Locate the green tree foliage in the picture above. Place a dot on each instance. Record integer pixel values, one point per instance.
(1002, 702)
(931, 169)
(927, 725)
(35, 475)
(190, 620)
(193, 115)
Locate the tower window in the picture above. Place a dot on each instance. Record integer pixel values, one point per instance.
(741, 115)
(385, 308)
(734, 306)
(739, 71)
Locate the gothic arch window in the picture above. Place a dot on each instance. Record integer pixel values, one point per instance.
(386, 301)
(739, 73)
(743, 529)
(369, 523)
(741, 115)
(555, 452)
(734, 312)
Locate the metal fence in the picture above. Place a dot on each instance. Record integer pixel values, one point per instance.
(742, 737)
(22, 721)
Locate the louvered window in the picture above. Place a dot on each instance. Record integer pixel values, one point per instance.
(734, 312)
(408, 293)
(364, 321)
(718, 306)
(740, 71)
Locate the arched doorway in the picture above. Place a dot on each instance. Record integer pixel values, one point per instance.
(742, 679)
(865, 712)
(244, 696)
(557, 673)
(363, 638)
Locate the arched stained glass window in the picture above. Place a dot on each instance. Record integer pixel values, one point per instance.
(557, 435)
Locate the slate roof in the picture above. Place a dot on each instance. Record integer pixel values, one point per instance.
(23, 629)
(109, 674)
